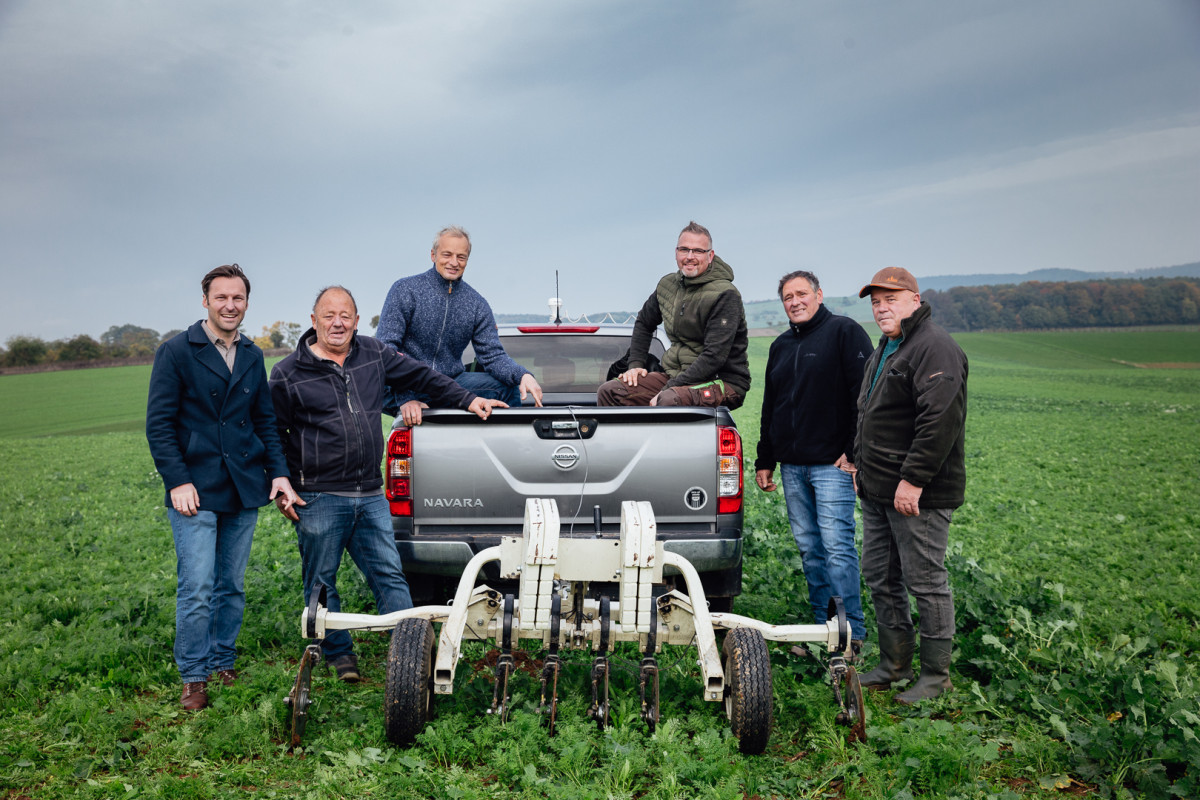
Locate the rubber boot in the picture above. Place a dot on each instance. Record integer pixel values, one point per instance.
(895, 659)
(935, 672)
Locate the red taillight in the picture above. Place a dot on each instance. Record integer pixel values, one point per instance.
(398, 474)
(729, 470)
(729, 442)
(400, 443)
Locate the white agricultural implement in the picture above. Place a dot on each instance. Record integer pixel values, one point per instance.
(554, 606)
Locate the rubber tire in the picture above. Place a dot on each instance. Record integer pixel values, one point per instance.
(747, 666)
(408, 698)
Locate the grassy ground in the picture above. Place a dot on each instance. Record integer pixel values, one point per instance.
(1073, 569)
(77, 401)
(83, 401)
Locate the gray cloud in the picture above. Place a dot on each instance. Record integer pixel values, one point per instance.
(144, 143)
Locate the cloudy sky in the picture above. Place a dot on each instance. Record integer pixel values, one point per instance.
(142, 143)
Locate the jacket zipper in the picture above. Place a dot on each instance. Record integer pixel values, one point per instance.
(445, 316)
(357, 433)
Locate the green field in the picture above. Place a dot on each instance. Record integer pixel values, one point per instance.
(1095, 349)
(80, 401)
(83, 401)
(1073, 565)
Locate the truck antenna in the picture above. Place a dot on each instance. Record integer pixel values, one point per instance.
(558, 305)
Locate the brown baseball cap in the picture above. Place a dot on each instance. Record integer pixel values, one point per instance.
(891, 278)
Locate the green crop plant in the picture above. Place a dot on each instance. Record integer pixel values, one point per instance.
(1072, 566)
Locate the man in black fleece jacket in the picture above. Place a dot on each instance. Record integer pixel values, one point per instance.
(328, 398)
(809, 411)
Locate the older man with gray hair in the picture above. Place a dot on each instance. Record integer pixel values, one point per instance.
(328, 397)
(433, 316)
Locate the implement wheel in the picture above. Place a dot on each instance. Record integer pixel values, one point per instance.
(747, 667)
(408, 699)
(856, 711)
(300, 698)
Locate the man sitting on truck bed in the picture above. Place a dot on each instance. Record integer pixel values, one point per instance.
(432, 317)
(328, 395)
(703, 316)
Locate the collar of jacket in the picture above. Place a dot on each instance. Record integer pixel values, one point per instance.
(822, 314)
(717, 270)
(441, 283)
(305, 355)
(910, 323)
(196, 335)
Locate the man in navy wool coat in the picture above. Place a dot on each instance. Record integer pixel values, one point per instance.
(211, 428)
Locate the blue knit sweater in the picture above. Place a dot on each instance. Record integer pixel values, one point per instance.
(431, 319)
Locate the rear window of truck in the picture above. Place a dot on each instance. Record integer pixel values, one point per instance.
(568, 362)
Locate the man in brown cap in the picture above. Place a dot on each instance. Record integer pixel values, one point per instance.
(911, 476)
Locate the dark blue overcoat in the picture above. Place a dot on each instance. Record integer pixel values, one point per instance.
(212, 428)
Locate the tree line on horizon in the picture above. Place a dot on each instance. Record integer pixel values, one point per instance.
(120, 343)
(1036, 305)
(1033, 305)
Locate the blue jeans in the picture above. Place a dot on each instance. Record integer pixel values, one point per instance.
(211, 552)
(820, 505)
(362, 526)
(489, 388)
(479, 383)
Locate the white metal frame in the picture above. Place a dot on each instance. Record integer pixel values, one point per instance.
(543, 562)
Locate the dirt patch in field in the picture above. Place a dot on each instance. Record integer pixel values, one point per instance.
(1160, 364)
(1171, 365)
(524, 662)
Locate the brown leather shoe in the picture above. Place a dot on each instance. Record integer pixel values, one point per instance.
(228, 676)
(195, 696)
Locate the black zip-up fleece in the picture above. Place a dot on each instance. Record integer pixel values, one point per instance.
(810, 402)
(912, 425)
(329, 418)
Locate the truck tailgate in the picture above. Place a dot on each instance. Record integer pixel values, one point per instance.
(581, 457)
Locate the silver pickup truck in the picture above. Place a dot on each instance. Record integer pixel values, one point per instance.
(456, 484)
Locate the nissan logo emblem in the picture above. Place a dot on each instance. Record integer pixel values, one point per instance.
(565, 457)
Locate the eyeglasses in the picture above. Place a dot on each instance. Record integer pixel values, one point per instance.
(695, 251)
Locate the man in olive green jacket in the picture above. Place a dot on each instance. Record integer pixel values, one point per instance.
(703, 316)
